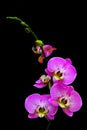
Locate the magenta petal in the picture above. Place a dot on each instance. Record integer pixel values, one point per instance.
(67, 112)
(69, 74)
(33, 116)
(44, 100)
(58, 90)
(45, 97)
(31, 102)
(68, 61)
(48, 72)
(53, 102)
(55, 63)
(48, 49)
(76, 101)
(69, 90)
(39, 85)
(52, 110)
(50, 117)
(38, 81)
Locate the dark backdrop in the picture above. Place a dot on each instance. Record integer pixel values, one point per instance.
(58, 25)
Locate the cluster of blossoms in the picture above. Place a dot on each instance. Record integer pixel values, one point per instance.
(59, 75)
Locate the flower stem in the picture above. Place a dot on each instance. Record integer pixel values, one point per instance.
(48, 126)
(49, 84)
(27, 27)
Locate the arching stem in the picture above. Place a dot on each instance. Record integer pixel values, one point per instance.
(24, 24)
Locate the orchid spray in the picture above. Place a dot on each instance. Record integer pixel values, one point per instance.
(58, 76)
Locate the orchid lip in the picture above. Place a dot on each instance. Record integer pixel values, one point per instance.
(45, 79)
(58, 75)
(41, 111)
(63, 102)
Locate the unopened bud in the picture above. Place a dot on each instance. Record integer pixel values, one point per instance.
(39, 42)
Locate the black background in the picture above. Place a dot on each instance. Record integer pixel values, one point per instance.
(56, 24)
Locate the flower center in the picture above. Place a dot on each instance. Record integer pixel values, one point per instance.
(41, 111)
(63, 102)
(58, 75)
(37, 50)
(45, 79)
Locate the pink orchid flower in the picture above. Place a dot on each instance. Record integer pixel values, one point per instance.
(48, 50)
(65, 97)
(61, 70)
(43, 81)
(38, 106)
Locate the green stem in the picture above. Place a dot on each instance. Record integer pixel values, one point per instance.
(49, 84)
(33, 34)
(48, 126)
(28, 30)
(23, 24)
